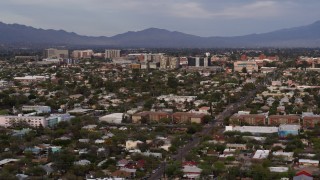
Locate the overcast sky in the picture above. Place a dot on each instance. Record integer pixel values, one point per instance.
(198, 17)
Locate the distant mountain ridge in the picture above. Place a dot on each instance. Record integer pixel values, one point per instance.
(304, 36)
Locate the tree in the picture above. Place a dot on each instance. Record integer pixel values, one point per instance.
(244, 70)
(172, 82)
(174, 170)
(219, 167)
(36, 171)
(63, 161)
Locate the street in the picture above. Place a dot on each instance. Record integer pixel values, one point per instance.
(183, 151)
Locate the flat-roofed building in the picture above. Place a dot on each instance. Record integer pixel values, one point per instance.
(82, 54)
(183, 117)
(287, 156)
(113, 118)
(34, 121)
(253, 129)
(261, 154)
(38, 109)
(288, 129)
(310, 120)
(30, 79)
(112, 53)
(309, 162)
(52, 53)
(149, 116)
(283, 119)
(279, 169)
(248, 119)
(250, 66)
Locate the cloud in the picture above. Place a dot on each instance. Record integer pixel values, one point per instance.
(200, 17)
(256, 9)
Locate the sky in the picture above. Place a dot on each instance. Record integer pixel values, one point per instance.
(198, 17)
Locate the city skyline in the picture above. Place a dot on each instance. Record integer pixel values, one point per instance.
(202, 18)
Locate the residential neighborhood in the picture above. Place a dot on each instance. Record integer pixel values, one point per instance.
(138, 114)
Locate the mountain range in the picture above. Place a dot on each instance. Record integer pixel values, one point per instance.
(303, 36)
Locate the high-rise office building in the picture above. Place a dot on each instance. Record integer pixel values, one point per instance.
(82, 54)
(56, 53)
(112, 53)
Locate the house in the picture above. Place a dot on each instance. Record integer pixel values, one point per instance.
(287, 156)
(82, 162)
(190, 170)
(22, 176)
(90, 127)
(279, 169)
(229, 151)
(121, 174)
(132, 144)
(261, 154)
(303, 175)
(237, 146)
(48, 168)
(204, 110)
(275, 120)
(249, 119)
(156, 155)
(308, 162)
(122, 163)
(178, 99)
(7, 161)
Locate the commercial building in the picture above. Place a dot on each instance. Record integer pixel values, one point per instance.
(38, 109)
(199, 61)
(168, 62)
(112, 118)
(253, 129)
(30, 79)
(82, 54)
(250, 66)
(288, 129)
(52, 53)
(112, 53)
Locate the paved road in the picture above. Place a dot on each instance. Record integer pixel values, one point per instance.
(183, 151)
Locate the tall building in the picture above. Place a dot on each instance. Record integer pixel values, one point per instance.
(164, 61)
(112, 53)
(197, 61)
(174, 63)
(52, 53)
(168, 62)
(82, 54)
